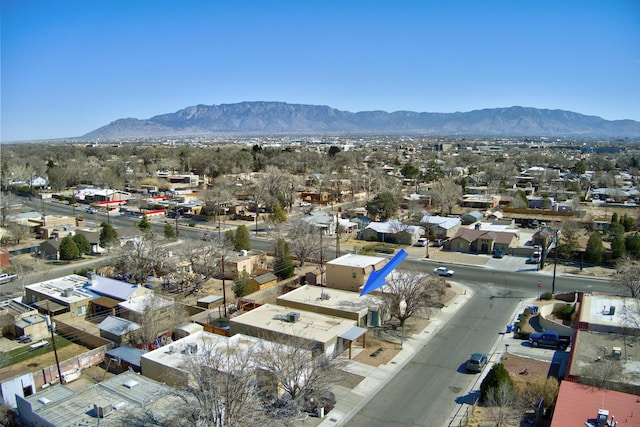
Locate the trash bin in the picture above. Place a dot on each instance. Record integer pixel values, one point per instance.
(509, 328)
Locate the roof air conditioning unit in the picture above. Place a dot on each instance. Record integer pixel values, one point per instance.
(293, 317)
(102, 410)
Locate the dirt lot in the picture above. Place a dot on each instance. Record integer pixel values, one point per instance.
(44, 360)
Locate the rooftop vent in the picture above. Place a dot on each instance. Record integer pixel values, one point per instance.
(44, 400)
(130, 383)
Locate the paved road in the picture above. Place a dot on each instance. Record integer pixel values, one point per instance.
(429, 387)
(424, 393)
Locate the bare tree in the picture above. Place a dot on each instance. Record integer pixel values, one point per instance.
(407, 294)
(298, 371)
(501, 401)
(627, 276)
(140, 258)
(221, 389)
(603, 374)
(158, 315)
(17, 233)
(204, 260)
(304, 240)
(446, 193)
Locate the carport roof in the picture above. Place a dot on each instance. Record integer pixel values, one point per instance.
(106, 302)
(48, 305)
(353, 333)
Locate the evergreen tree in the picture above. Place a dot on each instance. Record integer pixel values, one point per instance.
(618, 248)
(68, 249)
(241, 239)
(168, 231)
(108, 236)
(242, 285)
(614, 218)
(615, 229)
(632, 245)
(83, 244)
(496, 376)
(144, 225)
(594, 251)
(383, 206)
(627, 222)
(278, 215)
(283, 264)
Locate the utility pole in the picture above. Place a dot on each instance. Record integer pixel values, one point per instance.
(224, 290)
(555, 263)
(52, 327)
(321, 259)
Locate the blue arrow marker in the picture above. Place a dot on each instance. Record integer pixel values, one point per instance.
(376, 278)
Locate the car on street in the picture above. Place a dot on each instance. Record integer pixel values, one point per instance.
(422, 242)
(91, 210)
(443, 271)
(304, 204)
(477, 362)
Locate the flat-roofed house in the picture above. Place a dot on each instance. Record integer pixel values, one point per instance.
(114, 401)
(171, 363)
(60, 295)
(366, 310)
(286, 326)
(351, 271)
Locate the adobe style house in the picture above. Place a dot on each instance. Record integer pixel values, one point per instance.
(439, 227)
(392, 232)
(481, 241)
(350, 272)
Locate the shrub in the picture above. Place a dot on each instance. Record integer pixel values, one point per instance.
(384, 249)
(565, 312)
(546, 296)
(496, 376)
(192, 224)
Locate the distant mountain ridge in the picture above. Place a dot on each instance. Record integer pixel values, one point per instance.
(282, 118)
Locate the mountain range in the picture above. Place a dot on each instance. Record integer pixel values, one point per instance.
(283, 118)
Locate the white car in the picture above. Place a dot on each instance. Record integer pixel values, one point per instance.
(304, 204)
(443, 271)
(91, 210)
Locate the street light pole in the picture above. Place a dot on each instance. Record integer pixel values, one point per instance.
(555, 263)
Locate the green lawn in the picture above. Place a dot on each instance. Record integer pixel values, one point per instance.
(25, 352)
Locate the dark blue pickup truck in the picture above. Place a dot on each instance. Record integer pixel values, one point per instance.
(550, 339)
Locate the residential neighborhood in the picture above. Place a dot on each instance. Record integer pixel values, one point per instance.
(153, 268)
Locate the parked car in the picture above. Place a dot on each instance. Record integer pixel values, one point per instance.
(304, 204)
(6, 278)
(422, 242)
(498, 253)
(535, 258)
(550, 339)
(438, 243)
(477, 362)
(443, 271)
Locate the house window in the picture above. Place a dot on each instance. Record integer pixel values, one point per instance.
(353, 274)
(82, 310)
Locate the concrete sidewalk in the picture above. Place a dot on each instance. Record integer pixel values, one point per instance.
(351, 401)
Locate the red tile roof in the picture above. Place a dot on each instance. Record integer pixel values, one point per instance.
(578, 403)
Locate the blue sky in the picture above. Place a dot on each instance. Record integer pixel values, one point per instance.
(69, 67)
